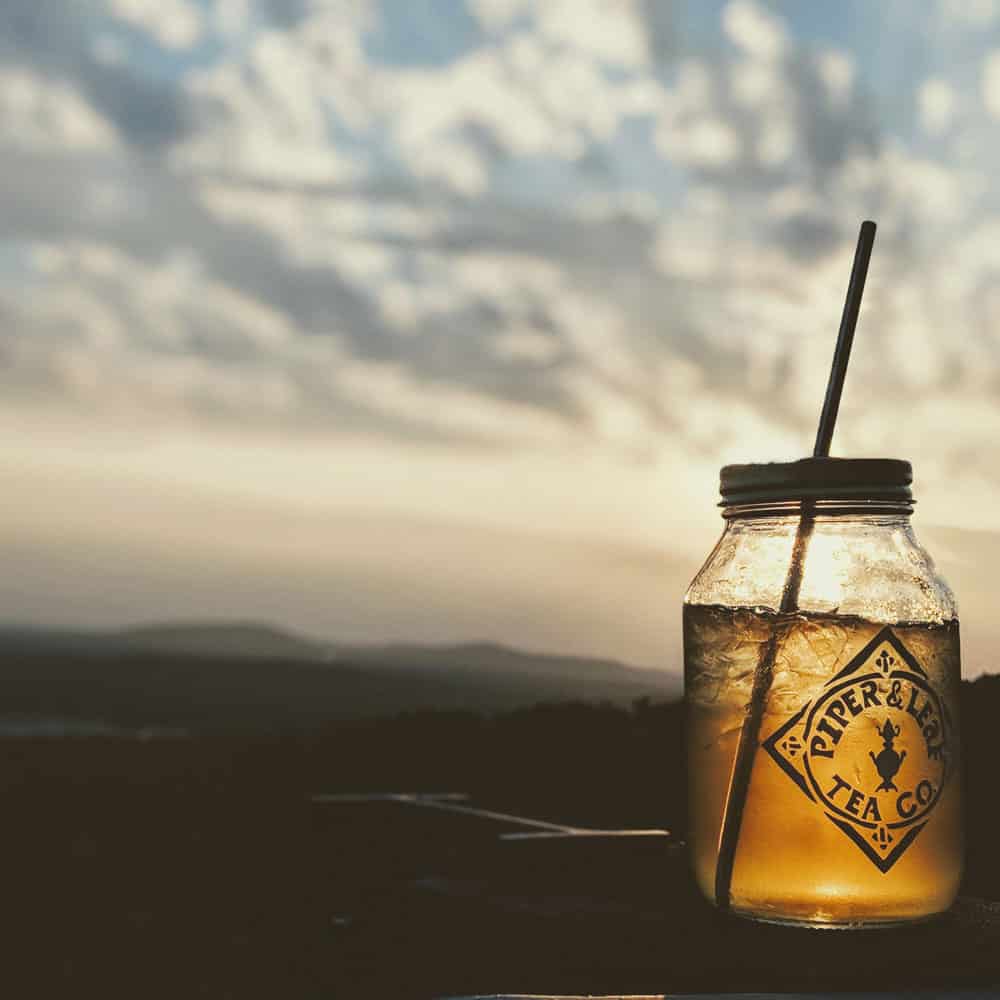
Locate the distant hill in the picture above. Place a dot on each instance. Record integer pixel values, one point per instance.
(196, 674)
(486, 657)
(226, 639)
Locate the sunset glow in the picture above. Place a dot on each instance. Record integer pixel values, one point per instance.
(386, 325)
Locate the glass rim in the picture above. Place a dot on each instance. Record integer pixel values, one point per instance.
(818, 509)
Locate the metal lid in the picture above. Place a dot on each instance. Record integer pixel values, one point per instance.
(817, 479)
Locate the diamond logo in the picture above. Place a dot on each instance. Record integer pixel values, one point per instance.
(871, 750)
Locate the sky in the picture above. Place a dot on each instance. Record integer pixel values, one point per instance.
(436, 320)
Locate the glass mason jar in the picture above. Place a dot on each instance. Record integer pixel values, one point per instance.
(822, 671)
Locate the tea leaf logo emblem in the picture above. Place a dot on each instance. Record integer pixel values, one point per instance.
(872, 749)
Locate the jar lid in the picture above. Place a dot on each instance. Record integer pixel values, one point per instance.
(817, 479)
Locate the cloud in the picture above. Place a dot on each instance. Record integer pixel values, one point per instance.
(991, 83)
(754, 30)
(116, 334)
(937, 102)
(612, 32)
(271, 113)
(57, 41)
(514, 286)
(771, 114)
(292, 233)
(174, 24)
(45, 114)
(969, 13)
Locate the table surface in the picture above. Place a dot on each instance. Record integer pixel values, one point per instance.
(435, 903)
(908, 994)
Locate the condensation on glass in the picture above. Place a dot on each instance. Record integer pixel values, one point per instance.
(852, 814)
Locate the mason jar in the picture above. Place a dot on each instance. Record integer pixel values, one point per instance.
(821, 655)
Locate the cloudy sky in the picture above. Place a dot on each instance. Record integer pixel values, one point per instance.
(435, 320)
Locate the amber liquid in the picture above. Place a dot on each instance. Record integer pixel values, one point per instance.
(793, 862)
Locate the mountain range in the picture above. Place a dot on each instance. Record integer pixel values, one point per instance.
(247, 673)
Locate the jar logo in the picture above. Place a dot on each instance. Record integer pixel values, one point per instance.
(871, 750)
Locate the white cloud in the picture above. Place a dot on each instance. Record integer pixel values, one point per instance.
(274, 128)
(497, 14)
(609, 30)
(613, 416)
(349, 235)
(990, 84)
(616, 275)
(452, 162)
(552, 105)
(174, 24)
(639, 206)
(974, 13)
(525, 345)
(122, 337)
(836, 69)
(756, 84)
(937, 194)
(446, 408)
(758, 114)
(739, 295)
(231, 18)
(266, 109)
(704, 142)
(691, 130)
(38, 112)
(754, 29)
(775, 143)
(937, 101)
(480, 250)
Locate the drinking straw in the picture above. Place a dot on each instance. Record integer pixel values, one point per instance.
(764, 672)
(845, 339)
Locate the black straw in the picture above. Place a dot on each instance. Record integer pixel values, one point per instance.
(845, 339)
(763, 675)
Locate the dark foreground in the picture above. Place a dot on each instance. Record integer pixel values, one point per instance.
(202, 868)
